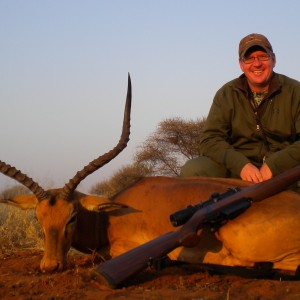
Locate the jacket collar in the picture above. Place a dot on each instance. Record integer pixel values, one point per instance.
(274, 87)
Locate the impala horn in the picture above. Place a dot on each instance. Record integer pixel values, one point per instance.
(94, 165)
(13, 173)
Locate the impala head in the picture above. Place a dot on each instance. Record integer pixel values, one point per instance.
(57, 209)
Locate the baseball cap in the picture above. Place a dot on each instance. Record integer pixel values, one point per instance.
(254, 39)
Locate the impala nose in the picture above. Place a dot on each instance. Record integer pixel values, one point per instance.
(51, 266)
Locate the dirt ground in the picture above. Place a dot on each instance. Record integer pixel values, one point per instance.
(20, 278)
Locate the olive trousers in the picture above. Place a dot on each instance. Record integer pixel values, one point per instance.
(204, 166)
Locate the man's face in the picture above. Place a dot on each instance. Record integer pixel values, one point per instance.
(259, 71)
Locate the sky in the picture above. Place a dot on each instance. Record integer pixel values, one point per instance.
(64, 67)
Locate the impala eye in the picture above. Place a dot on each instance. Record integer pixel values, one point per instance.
(73, 219)
(71, 222)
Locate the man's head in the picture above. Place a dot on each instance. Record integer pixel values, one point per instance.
(257, 60)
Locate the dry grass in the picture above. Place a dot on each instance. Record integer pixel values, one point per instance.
(18, 230)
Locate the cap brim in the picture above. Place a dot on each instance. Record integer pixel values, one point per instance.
(252, 46)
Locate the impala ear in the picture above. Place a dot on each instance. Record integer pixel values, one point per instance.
(27, 201)
(100, 204)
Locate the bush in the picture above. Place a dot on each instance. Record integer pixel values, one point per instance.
(18, 228)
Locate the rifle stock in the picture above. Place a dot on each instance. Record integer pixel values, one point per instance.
(116, 271)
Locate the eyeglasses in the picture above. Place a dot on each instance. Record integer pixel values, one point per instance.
(251, 59)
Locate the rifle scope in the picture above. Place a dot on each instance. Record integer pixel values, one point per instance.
(180, 217)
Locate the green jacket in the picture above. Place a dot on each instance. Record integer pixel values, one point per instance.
(236, 133)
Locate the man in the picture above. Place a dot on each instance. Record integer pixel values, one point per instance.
(252, 130)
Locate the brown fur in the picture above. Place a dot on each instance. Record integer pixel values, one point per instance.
(266, 232)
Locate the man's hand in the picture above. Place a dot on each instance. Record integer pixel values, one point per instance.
(265, 172)
(251, 173)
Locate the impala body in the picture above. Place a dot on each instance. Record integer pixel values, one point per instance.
(267, 232)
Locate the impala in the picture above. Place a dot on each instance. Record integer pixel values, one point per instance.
(267, 232)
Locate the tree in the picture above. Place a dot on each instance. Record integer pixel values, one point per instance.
(174, 142)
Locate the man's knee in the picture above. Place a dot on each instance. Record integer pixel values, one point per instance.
(203, 166)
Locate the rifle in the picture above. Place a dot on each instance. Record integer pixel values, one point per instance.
(213, 212)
